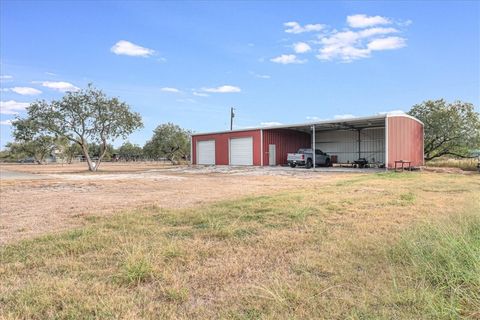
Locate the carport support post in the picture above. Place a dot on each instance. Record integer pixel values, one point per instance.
(313, 145)
(359, 144)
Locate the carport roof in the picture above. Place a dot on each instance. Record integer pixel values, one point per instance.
(338, 124)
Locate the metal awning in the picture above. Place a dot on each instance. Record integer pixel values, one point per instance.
(345, 125)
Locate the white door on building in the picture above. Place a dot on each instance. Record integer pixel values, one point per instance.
(241, 151)
(272, 155)
(206, 152)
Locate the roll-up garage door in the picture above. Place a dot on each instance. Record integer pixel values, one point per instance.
(206, 152)
(241, 151)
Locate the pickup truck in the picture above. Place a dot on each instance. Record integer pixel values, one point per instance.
(304, 157)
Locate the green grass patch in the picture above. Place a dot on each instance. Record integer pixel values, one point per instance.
(408, 197)
(176, 295)
(442, 260)
(136, 268)
(392, 174)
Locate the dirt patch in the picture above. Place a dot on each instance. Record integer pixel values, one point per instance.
(58, 201)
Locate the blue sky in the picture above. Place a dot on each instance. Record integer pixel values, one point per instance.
(275, 62)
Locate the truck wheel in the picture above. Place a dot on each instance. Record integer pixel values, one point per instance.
(292, 165)
(309, 164)
(328, 163)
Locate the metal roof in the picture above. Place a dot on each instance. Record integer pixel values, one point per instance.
(338, 124)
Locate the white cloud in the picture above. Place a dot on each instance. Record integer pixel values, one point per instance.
(127, 48)
(25, 91)
(200, 94)
(6, 123)
(351, 45)
(301, 47)
(270, 124)
(295, 27)
(6, 77)
(388, 43)
(287, 59)
(370, 32)
(261, 76)
(50, 73)
(364, 35)
(363, 21)
(343, 116)
(12, 107)
(60, 86)
(222, 89)
(168, 89)
(405, 23)
(313, 118)
(392, 112)
(341, 45)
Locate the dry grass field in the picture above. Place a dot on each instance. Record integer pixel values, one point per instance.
(80, 167)
(262, 246)
(62, 196)
(463, 164)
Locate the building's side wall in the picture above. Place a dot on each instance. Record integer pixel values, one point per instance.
(285, 141)
(222, 145)
(344, 144)
(405, 140)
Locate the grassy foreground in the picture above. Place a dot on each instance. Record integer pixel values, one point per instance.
(374, 246)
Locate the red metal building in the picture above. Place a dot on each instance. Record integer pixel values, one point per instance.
(381, 140)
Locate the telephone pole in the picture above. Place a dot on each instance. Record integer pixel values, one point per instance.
(232, 115)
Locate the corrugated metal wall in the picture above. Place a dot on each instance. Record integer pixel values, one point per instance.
(285, 141)
(405, 140)
(344, 144)
(222, 147)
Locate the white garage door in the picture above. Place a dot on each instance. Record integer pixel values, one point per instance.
(206, 152)
(241, 151)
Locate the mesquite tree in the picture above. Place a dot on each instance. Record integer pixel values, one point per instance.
(84, 117)
(450, 128)
(169, 141)
(130, 152)
(31, 140)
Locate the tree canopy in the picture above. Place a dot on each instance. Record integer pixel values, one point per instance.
(85, 117)
(31, 140)
(450, 128)
(169, 141)
(129, 151)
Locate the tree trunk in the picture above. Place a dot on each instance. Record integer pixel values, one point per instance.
(38, 159)
(91, 166)
(104, 151)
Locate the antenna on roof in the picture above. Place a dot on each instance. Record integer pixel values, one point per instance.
(232, 115)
